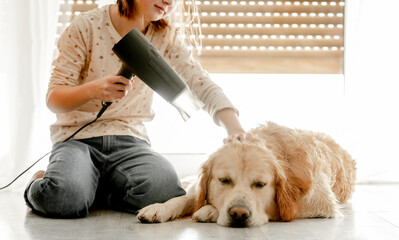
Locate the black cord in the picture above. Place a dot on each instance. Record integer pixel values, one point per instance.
(105, 106)
(6, 186)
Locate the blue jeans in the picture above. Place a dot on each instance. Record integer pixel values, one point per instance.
(117, 172)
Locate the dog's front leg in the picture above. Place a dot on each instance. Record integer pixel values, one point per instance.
(207, 213)
(172, 209)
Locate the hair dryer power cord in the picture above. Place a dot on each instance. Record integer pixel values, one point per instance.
(100, 113)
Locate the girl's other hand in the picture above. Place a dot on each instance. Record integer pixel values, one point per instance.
(110, 88)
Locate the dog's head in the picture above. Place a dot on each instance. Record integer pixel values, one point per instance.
(248, 185)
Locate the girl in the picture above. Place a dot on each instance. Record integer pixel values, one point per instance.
(110, 162)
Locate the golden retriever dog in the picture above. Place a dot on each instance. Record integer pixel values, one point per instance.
(276, 174)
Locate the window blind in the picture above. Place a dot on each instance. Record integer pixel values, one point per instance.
(248, 36)
(272, 36)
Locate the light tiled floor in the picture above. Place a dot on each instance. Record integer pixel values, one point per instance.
(372, 214)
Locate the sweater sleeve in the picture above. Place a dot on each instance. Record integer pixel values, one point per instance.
(197, 79)
(72, 54)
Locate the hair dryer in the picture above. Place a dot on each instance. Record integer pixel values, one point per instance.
(139, 57)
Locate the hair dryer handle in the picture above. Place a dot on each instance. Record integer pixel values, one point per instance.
(124, 71)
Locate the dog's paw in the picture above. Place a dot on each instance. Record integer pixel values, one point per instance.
(155, 213)
(207, 213)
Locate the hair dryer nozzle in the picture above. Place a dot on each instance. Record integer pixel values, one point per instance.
(187, 104)
(144, 60)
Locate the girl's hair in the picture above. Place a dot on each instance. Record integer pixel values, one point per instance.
(185, 19)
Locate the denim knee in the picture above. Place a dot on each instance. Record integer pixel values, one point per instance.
(155, 189)
(59, 199)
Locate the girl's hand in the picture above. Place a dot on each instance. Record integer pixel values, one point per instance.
(110, 88)
(65, 98)
(229, 120)
(239, 136)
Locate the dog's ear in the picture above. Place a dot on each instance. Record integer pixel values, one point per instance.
(202, 185)
(290, 188)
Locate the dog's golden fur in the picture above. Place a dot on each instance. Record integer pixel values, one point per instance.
(276, 174)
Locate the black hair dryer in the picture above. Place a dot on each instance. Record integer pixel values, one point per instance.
(139, 57)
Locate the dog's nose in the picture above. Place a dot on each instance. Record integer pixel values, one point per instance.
(239, 213)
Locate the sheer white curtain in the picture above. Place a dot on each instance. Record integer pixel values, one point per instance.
(27, 29)
(372, 87)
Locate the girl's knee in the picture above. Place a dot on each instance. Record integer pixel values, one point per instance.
(155, 190)
(61, 200)
(165, 187)
(138, 185)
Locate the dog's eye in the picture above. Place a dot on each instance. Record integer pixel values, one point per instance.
(259, 184)
(225, 181)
